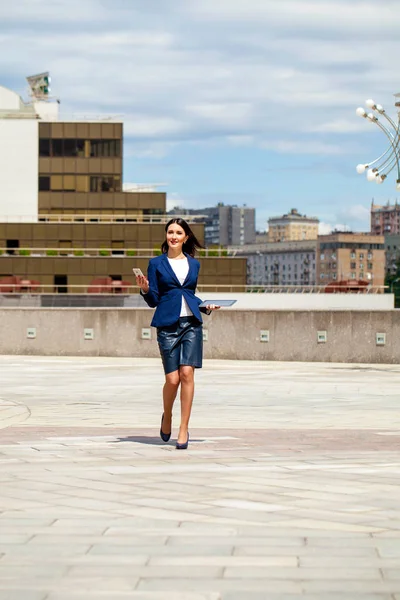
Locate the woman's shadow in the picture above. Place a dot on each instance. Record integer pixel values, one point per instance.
(148, 440)
(144, 439)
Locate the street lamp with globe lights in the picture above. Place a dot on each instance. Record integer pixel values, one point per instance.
(378, 169)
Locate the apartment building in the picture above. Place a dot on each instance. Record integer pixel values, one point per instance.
(64, 217)
(385, 219)
(225, 225)
(292, 227)
(347, 256)
(280, 263)
(392, 248)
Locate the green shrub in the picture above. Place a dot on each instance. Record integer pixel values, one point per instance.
(104, 253)
(51, 252)
(79, 253)
(156, 251)
(131, 252)
(23, 252)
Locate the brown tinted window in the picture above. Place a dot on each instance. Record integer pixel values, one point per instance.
(105, 148)
(69, 148)
(44, 147)
(44, 183)
(72, 147)
(57, 148)
(105, 183)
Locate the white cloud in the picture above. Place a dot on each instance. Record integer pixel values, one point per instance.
(354, 217)
(357, 216)
(327, 228)
(302, 147)
(253, 72)
(175, 200)
(313, 15)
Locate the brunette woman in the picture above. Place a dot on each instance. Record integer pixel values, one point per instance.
(170, 286)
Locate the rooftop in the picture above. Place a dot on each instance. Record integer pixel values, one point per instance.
(293, 215)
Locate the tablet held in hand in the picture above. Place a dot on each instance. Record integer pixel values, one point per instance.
(218, 302)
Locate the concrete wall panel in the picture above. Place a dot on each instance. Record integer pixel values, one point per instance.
(232, 334)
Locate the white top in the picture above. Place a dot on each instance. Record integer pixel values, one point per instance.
(180, 267)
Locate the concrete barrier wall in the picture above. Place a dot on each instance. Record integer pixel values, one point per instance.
(351, 335)
(304, 301)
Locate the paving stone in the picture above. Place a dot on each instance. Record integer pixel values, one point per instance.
(265, 586)
(123, 550)
(319, 596)
(288, 492)
(135, 596)
(306, 573)
(22, 595)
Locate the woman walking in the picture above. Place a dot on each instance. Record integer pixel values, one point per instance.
(171, 286)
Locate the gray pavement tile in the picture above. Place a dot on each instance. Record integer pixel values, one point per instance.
(225, 561)
(10, 538)
(195, 550)
(154, 572)
(305, 551)
(356, 587)
(305, 573)
(296, 496)
(266, 586)
(389, 573)
(22, 595)
(135, 596)
(121, 540)
(39, 552)
(320, 596)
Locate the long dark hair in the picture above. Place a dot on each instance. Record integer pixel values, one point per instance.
(191, 245)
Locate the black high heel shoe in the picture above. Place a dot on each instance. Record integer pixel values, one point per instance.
(184, 445)
(164, 436)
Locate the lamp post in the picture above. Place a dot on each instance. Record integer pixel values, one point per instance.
(378, 169)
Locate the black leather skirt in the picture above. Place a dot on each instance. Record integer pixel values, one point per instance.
(181, 344)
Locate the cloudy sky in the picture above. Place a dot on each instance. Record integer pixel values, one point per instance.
(236, 101)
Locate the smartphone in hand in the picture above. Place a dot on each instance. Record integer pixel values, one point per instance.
(138, 272)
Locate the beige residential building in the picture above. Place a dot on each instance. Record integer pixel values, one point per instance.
(292, 227)
(347, 256)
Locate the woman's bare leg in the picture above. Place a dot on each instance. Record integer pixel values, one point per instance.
(170, 390)
(186, 375)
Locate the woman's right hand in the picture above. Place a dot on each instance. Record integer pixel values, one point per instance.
(143, 283)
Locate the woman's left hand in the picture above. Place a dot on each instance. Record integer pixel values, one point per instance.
(212, 307)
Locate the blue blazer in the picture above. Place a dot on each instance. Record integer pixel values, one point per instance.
(165, 291)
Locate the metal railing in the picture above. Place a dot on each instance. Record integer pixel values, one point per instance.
(79, 252)
(118, 287)
(97, 218)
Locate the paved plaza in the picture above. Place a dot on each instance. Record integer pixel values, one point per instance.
(290, 487)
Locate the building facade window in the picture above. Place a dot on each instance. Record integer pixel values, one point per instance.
(105, 183)
(44, 183)
(79, 147)
(105, 148)
(44, 147)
